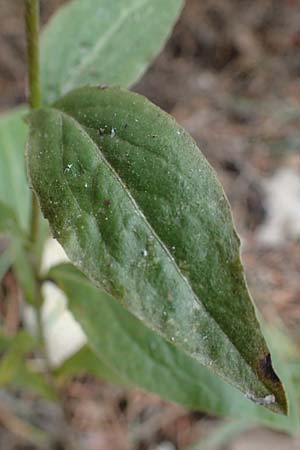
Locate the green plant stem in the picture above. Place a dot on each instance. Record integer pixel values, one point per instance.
(32, 34)
(32, 19)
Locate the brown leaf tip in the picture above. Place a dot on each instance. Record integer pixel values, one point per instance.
(266, 367)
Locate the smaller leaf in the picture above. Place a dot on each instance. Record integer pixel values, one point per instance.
(114, 43)
(15, 199)
(140, 356)
(14, 191)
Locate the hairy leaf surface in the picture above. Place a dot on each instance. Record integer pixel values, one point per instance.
(103, 41)
(138, 208)
(140, 356)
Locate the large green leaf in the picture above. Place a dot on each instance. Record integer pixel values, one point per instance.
(140, 356)
(14, 192)
(103, 41)
(138, 208)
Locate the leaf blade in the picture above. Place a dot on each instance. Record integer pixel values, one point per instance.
(14, 192)
(149, 361)
(121, 39)
(110, 231)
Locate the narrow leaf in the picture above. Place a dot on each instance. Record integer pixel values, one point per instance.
(103, 41)
(14, 192)
(137, 207)
(15, 198)
(140, 356)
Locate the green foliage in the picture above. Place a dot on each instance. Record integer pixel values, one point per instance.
(14, 192)
(137, 207)
(140, 356)
(139, 210)
(115, 44)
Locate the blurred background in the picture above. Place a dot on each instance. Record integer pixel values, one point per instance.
(230, 74)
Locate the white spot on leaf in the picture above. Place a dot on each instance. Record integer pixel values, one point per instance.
(264, 401)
